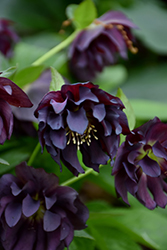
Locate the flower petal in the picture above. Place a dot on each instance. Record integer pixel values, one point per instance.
(55, 121)
(116, 17)
(50, 201)
(143, 195)
(58, 106)
(156, 188)
(58, 138)
(150, 167)
(99, 111)
(77, 121)
(30, 206)
(13, 214)
(51, 221)
(15, 189)
(159, 151)
(86, 94)
(16, 97)
(70, 159)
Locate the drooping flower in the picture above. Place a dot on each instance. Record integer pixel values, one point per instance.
(100, 44)
(11, 94)
(36, 213)
(81, 117)
(141, 165)
(24, 118)
(8, 37)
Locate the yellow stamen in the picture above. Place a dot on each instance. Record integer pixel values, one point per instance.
(79, 139)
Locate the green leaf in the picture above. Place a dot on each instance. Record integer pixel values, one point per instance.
(147, 83)
(111, 77)
(110, 238)
(82, 234)
(146, 109)
(8, 72)
(15, 151)
(82, 241)
(151, 31)
(85, 13)
(4, 63)
(57, 80)
(70, 10)
(2, 161)
(128, 108)
(115, 219)
(149, 224)
(27, 75)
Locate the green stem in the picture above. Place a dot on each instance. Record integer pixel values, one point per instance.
(80, 176)
(56, 49)
(34, 154)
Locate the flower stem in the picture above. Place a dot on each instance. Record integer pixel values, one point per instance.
(34, 154)
(56, 49)
(80, 176)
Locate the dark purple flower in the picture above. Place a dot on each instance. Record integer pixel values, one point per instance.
(141, 165)
(7, 37)
(11, 94)
(35, 91)
(81, 117)
(36, 213)
(100, 44)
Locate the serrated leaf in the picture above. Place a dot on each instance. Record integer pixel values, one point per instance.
(85, 13)
(57, 80)
(2, 161)
(8, 72)
(128, 108)
(27, 75)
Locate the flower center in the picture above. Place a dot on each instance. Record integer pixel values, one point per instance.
(79, 139)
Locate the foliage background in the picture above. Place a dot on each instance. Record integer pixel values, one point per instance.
(143, 79)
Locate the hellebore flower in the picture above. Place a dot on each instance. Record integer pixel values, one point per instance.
(81, 117)
(141, 165)
(100, 44)
(7, 37)
(35, 91)
(11, 94)
(36, 213)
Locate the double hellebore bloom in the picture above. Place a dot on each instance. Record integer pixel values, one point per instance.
(81, 117)
(11, 94)
(7, 37)
(100, 44)
(141, 165)
(36, 213)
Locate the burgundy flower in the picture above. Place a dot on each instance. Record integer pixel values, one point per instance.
(7, 37)
(141, 165)
(100, 44)
(35, 91)
(81, 117)
(11, 94)
(36, 213)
